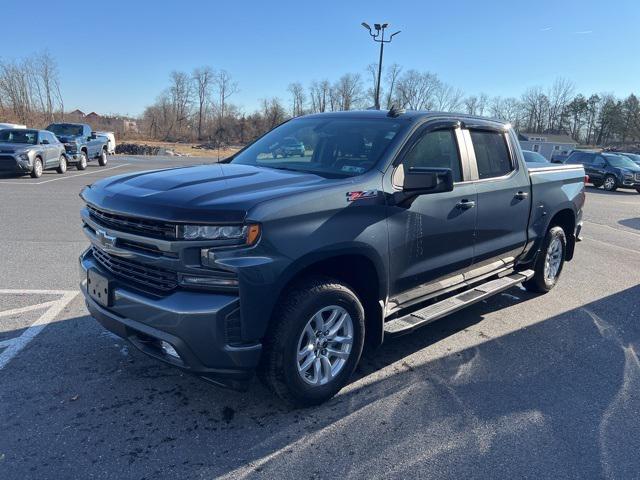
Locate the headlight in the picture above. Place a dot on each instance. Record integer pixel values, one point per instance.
(231, 234)
(24, 157)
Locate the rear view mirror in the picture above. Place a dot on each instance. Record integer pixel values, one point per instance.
(421, 180)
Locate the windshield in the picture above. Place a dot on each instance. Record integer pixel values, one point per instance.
(28, 137)
(533, 157)
(633, 156)
(620, 161)
(331, 147)
(65, 130)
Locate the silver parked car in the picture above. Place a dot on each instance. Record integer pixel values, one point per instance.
(25, 151)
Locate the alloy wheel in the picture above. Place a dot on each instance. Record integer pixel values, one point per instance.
(325, 345)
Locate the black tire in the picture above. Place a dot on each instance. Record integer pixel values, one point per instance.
(82, 163)
(279, 366)
(37, 168)
(540, 282)
(610, 183)
(102, 159)
(597, 184)
(62, 166)
(638, 189)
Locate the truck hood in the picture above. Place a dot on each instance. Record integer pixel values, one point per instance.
(205, 193)
(69, 138)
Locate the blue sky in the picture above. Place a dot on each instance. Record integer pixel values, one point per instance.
(115, 56)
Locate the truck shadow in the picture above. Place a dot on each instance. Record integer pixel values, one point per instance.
(558, 397)
(631, 223)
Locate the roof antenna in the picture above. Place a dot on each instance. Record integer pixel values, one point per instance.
(394, 111)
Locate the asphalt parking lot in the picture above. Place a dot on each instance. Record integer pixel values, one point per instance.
(520, 386)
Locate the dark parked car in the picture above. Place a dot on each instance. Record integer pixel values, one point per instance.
(391, 221)
(534, 158)
(81, 143)
(633, 156)
(608, 170)
(287, 147)
(30, 151)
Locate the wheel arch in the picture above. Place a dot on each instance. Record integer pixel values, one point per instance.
(565, 219)
(361, 272)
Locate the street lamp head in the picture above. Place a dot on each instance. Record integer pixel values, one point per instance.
(376, 26)
(385, 25)
(393, 34)
(366, 25)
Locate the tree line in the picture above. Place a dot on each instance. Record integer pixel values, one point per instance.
(198, 106)
(30, 90)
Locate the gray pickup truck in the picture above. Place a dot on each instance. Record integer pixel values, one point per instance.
(287, 266)
(81, 143)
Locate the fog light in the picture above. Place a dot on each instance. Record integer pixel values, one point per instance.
(168, 349)
(209, 281)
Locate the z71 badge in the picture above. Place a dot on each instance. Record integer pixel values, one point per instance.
(360, 195)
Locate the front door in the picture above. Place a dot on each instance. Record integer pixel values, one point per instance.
(431, 236)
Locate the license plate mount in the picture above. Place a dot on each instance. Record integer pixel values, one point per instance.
(99, 288)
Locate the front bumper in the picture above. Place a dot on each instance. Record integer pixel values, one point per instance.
(10, 164)
(73, 157)
(195, 324)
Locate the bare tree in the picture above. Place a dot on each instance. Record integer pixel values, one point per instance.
(416, 90)
(319, 94)
(448, 98)
(392, 78)
(203, 78)
(298, 99)
(559, 96)
(348, 91)
(226, 87)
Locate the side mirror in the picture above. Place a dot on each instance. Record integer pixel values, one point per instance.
(92, 136)
(422, 180)
(44, 142)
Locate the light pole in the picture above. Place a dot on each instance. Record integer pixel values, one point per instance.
(378, 36)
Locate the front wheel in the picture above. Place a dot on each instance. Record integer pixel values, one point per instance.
(62, 165)
(82, 163)
(610, 184)
(37, 168)
(549, 262)
(102, 159)
(314, 343)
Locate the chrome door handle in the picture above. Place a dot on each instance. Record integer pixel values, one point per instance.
(465, 204)
(521, 195)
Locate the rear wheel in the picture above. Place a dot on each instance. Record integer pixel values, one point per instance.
(102, 159)
(549, 262)
(62, 165)
(314, 343)
(610, 184)
(82, 163)
(37, 168)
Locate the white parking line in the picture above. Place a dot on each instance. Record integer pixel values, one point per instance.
(66, 177)
(14, 345)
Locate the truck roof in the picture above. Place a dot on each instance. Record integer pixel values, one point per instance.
(409, 115)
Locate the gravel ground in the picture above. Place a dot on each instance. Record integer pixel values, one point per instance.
(519, 386)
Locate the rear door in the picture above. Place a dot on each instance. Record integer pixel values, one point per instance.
(431, 236)
(504, 200)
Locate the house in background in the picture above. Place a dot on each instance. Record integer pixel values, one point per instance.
(547, 144)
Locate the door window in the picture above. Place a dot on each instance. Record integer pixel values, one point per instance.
(492, 154)
(437, 149)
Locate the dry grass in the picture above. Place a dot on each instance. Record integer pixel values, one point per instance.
(187, 148)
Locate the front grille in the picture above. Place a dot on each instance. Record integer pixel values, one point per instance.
(7, 162)
(146, 277)
(140, 226)
(637, 177)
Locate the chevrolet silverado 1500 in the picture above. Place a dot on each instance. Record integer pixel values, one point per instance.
(286, 265)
